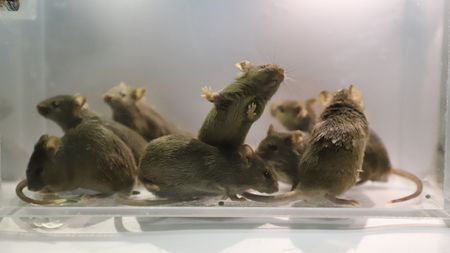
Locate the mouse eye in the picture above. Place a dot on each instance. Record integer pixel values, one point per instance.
(272, 147)
(281, 109)
(267, 174)
(55, 104)
(122, 94)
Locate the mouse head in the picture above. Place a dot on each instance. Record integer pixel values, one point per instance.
(269, 74)
(280, 145)
(294, 114)
(123, 95)
(255, 172)
(351, 95)
(41, 160)
(63, 108)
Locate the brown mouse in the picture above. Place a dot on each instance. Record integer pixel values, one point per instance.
(129, 108)
(283, 150)
(89, 156)
(69, 111)
(295, 115)
(333, 156)
(239, 105)
(376, 165)
(178, 168)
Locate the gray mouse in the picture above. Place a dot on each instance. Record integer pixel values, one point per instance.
(283, 150)
(333, 157)
(69, 111)
(178, 168)
(129, 108)
(376, 166)
(239, 105)
(89, 156)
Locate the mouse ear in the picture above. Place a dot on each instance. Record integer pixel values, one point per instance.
(138, 93)
(325, 97)
(43, 137)
(246, 152)
(271, 130)
(297, 137)
(79, 100)
(355, 94)
(243, 66)
(53, 144)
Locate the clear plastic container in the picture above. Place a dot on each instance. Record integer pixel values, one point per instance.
(396, 51)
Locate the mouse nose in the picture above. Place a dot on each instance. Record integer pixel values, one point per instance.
(107, 98)
(42, 109)
(280, 71)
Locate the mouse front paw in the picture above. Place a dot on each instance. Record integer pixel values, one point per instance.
(208, 94)
(251, 111)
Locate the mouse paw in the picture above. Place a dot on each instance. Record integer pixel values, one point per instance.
(208, 94)
(236, 198)
(251, 111)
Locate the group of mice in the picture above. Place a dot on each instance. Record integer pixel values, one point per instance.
(321, 157)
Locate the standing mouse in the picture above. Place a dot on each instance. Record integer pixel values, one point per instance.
(283, 150)
(179, 167)
(239, 105)
(69, 111)
(333, 157)
(295, 115)
(376, 165)
(89, 156)
(130, 109)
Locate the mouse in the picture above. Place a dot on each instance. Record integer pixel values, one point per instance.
(295, 115)
(129, 108)
(283, 150)
(182, 168)
(333, 157)
(376, 164)
(239, 105)
(70, 111)
(89, 156)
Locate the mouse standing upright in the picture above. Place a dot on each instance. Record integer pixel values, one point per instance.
(333, 156)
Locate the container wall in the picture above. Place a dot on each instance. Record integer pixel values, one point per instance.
(391, 49)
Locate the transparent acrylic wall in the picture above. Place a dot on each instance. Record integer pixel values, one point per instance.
(394, 50)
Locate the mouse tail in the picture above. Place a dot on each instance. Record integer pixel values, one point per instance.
(285, 197)
(413, 178)
(124, 199)
(19, 192)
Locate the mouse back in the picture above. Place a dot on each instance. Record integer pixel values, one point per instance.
(183, 167)
(130, 109)
(333, 158)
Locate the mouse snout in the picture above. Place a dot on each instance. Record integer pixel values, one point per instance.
(280, 72)
(42, 109)
(107, 98)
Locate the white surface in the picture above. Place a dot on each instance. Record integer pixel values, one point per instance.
(408, 236)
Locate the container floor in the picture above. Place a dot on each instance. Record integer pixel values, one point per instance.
(370, 195)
